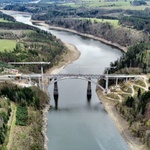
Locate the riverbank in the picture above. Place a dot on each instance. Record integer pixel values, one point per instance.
(72, 55)
(121, 124)
(42, 23)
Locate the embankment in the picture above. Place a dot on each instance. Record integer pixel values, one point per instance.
(121, 124)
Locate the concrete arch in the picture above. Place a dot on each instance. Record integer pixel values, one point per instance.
(81, 78)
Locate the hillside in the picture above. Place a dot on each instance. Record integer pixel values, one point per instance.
(21, 117)
(132, 25)
(28, 44)
(127, 103)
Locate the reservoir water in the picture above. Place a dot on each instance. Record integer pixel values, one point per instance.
(77, 124)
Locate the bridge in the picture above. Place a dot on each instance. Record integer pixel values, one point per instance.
(54, 78)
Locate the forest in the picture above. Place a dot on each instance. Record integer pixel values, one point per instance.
(80, 19)
(7, 17)
(32, 44)
(136, 111)
(137, 56)
(22, 109)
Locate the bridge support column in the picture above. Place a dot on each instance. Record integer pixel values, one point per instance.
(39, 82)
(116, 82)
(106, 85)
(89, 90)
(30, 80)
(56, 94)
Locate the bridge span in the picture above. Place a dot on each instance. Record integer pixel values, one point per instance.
(92, 76)
(88, 77)
(54, 78)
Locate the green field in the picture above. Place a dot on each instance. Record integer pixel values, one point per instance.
(2, 20)
(7, 45)
(120, 4)
(111, 21)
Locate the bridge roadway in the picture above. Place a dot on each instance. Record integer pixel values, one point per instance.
(72, 76)
(76, 76)
(58, 77)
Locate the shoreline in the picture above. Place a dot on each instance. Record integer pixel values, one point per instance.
(121, 124)
(42, 23)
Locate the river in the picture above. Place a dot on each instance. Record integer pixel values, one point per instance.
(77, 124)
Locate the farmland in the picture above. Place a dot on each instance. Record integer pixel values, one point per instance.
(111, 21)
(2, 20)
(120, 4)
(7, 45)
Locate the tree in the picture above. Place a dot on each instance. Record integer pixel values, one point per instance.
(139, 93)
(129, 102)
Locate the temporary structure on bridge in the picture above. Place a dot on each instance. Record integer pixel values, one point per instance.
(32, 63)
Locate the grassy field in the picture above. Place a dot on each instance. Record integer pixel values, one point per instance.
(120, 4)
(7, 45)
(2, 20)
(111, 21)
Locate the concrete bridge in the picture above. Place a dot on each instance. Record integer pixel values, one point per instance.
(58, 77)
(90, 78)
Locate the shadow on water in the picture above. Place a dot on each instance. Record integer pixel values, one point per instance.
(97, 107)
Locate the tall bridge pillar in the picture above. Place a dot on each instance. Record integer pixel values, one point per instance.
(89, 90)
(106, 85)
(56, 93)
(40, 83)
(116, 82)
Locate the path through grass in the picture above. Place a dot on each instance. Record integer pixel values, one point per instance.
(11, 123)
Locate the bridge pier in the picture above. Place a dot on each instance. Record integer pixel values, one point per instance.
(116, 82)
(106, 84)
(56, 94)
(89, 90)
(30, 80)
(39, 83)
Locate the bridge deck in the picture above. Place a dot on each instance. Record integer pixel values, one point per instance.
(91, 76)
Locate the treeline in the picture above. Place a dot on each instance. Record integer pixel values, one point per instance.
(33, 45)
(122, 36)
(6, 17)
(136, 111)
(16, 26)
(5, 112)
(27, 96)
(66, 17)
(138, 56)
(139, 20)
(28, 102)
(45, 11)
